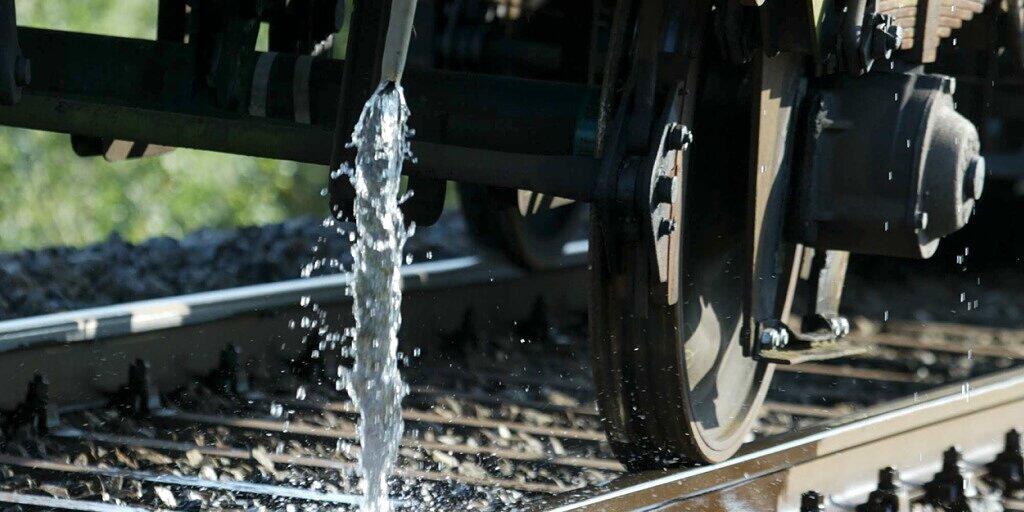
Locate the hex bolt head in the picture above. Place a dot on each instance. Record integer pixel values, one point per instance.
(886, 37)
(774, 338)
(974, 178)
(678, 137)
(887, 478)
(884, 498)
(951, 460)
(812, 501)
(840, 326)
(1007, 470)
(666, 189)
(1013, 441)
(666, 227)
(22, 71)
(946, 489)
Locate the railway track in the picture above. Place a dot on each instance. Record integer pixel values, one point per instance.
(209, 401)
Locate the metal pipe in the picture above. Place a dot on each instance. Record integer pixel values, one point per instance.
(396, 46)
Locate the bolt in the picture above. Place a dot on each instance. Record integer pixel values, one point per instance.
(1013, 441)
(812, 501)
(22, 71)
(667, 227)
(886, 37)
(678, 137)
(974, 178)
(951, 460)
(946, 489)
(1007, 470)
(949, 85)
(840, 326)
(666, 189)
(921, 220)
(774, 338)
(884, 498)
(887, 478)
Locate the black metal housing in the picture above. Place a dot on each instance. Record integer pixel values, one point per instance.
(891, 166)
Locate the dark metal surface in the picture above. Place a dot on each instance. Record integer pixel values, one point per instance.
(674, 384)
(15, 71)
(493, 130)
(888, 166)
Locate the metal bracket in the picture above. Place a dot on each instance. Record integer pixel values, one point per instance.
(34, 416)
(793, 347)
(661, 199)
(139, 396)
(822, 327)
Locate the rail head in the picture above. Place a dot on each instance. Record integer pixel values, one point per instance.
(782, 467)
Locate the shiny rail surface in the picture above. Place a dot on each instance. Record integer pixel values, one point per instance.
(839, 458)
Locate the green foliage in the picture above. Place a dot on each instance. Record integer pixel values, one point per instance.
(49, 196)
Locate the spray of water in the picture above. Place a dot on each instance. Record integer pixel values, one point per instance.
(374, 383)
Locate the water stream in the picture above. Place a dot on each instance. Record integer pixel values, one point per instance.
(374, 382)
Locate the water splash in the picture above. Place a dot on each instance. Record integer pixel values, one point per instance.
(374, 382)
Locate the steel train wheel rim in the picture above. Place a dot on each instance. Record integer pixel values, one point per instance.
(674, 385)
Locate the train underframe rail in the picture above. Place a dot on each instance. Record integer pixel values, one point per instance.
(729, 155)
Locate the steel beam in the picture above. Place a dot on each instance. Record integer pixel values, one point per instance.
(474, 128)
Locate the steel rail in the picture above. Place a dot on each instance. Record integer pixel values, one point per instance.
(86, 353)
(346, 467)
(840, 458)
(313, 433)
(53, 467)
(155, 314)
(49, 503)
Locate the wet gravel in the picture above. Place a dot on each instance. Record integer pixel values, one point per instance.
(115, 271)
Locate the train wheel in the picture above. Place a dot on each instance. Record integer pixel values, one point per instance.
(676, 383)
(535, 240)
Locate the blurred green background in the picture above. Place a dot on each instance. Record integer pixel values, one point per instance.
(49, 196)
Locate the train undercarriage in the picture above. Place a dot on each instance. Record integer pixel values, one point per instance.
(728, 155)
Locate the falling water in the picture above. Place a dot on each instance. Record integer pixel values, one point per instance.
(374, 382)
